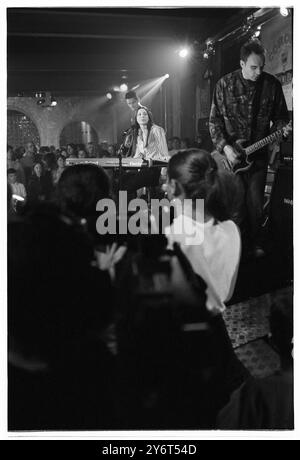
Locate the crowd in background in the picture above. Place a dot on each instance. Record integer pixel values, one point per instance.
(119, 333)
(33, 172)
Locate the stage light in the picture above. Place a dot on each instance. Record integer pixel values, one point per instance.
(39, 95)
(257, 32)
(183, 52)
(53, 101)
(284, 12)
(123, 87)
(109, 95)
(166, 76)
(210, 48)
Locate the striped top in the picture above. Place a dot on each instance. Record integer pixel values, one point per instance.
(156, 149)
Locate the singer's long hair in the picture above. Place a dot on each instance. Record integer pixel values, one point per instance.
(149, 124)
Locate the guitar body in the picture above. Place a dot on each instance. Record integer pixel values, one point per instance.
(242, 163)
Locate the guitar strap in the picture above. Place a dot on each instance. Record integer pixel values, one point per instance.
(256, 107)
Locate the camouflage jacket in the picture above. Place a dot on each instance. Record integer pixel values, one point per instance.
(235, 103)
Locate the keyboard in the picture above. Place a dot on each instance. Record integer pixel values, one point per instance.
(128, 163)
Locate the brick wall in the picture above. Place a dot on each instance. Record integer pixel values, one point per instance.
(50, 121)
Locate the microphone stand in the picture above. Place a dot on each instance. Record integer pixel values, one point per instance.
(122, 153)
(150, 164)
(120, 171)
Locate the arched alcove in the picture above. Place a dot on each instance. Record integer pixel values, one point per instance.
(78, 132)
(21, 129)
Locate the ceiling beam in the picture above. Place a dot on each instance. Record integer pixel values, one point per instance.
(94, 36)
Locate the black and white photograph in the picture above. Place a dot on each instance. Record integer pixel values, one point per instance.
(149, 238)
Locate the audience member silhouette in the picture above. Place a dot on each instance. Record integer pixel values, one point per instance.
(60, 372)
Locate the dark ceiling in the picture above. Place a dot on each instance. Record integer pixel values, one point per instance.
(87, 50)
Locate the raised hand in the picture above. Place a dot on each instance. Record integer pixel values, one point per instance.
(107, 260)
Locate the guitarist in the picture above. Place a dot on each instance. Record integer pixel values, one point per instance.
(244, 104)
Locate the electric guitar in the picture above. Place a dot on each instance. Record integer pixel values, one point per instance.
(243, 161)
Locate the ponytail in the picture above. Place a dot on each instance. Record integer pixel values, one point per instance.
(198, 175)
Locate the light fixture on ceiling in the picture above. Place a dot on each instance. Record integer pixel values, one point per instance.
(183, 52)
(45, 99)
(123, 87)
(41, 101)
(39, 95)
(258, 31)
(210, 48)
(284, 12)
(53, 102)
(247, 26)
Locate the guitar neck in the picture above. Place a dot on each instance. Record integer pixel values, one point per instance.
(277, 135)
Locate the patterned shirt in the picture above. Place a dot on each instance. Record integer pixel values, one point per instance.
(236, 100)
(156, 149)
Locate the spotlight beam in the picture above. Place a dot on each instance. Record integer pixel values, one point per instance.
(155, 87)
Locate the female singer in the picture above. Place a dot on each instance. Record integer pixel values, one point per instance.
(151, 138)
(151, 144)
